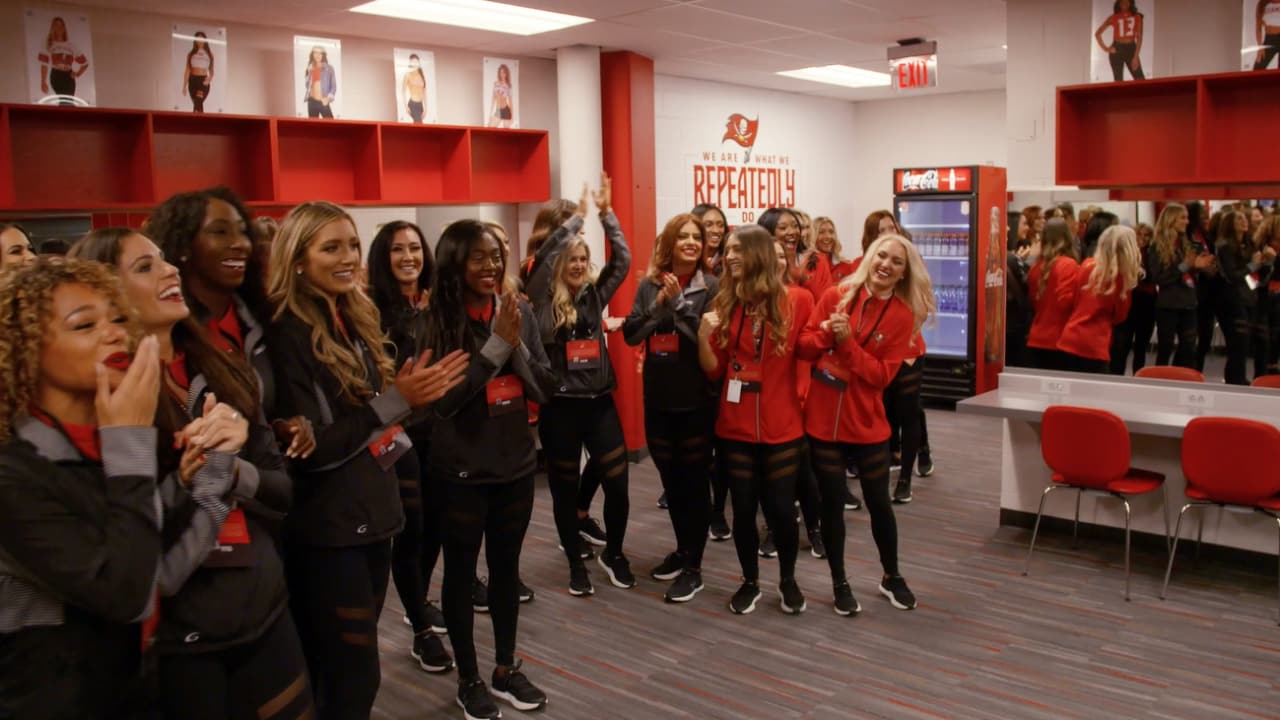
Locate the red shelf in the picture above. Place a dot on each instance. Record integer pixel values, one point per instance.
(328, 161)
(198, 151)
(421, 161)
(506, 166)
(71, 157)
(1241, 119)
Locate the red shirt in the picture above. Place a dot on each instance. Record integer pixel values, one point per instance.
(772, 413)
(1125, 26)
(844, 269)
(819, 278)
(1054, 307)
(84, 438)
(225, 332)
(867, 362)
(1088, 331)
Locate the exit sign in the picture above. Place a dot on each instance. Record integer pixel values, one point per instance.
(914, 66)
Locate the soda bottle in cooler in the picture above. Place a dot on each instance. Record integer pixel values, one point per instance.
(993, 287)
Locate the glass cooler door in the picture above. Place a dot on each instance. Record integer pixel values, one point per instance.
(940, 228)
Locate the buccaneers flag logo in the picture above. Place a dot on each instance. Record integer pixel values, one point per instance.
(742, 131)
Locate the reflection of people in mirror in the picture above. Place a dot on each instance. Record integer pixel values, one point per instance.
(320, 84)
(198, 76)
(58, 62)
(1126, 39)
(502, 110)
(415, 90)
(1268, 22)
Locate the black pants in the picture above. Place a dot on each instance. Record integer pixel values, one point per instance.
(829, 460)
(498, 515)
(762, 474)
(1045, 359)
(567, 426)
(1134, 334)
(1271, 46)
(1237, 325)
(336, 596)
(1180, 325)
(417, 548)
(681, 445)
(1214, 303)
(1075, 363)
(588, 485)
(316, 108)
(416, 111)
(62, 82)
(265, 679)
(198, 92)
(905, 413)
(1126, 55)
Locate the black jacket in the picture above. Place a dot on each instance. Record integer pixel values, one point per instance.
(342, 496)
(79, 557)
(672, 383)
(590, 303)
(1168, 277)
(1018, 308)
(468, 445)
(1235, 268)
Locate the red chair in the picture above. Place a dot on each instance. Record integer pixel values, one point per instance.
(1267, 381)
(1170, 372)
(1103, 470)
(1230, 463)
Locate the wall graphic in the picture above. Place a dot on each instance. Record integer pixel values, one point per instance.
(317, 65)
(416, 86)
(1260, 35)
(199, 68)
(1122, 46)
(501, 92)
(60, 62)
(735, 174)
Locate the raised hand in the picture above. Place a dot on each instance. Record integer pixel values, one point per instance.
(604, 196)
(221, 427)
(584, 200)
(422, 383)
(507, 325)
(670, 288)
(709, 324)
(133, 403)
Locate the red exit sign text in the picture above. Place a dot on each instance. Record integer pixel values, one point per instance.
(919, 71)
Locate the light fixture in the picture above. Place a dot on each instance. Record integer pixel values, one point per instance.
(477, 14)
(840, 75)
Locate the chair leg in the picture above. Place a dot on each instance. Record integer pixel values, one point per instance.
(1165, 512)
(1277, 517)
(1177, 530)
(1036, 530)
(1199, 537)
(1075, 529)
(1126, 548)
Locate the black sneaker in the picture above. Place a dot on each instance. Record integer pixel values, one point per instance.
(669, 568)
(851, 501)
(902, 492)
(896, 463)
(516, 690)
(591, 531)
(580, 581)
(744, 601)
(480, 596)
(586, 552)
(719, 530)
(619, 570)
(846, 603)
(526, 593)
(435, 618)
(895, 588)
(924, 465)
(685, 587)
(816, 548)
(792, 599)
(767, 548)
(476, 702)
(430, 653)
(662, 501)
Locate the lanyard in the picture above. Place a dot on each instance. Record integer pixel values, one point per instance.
(737, 339)
(861, 317)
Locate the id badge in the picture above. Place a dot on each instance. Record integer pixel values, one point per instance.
(390, 446)
(829, 372)
(505, 395)
(751, 377)
(664, 346)
(1251, 280)
(1189, 280)
(582, 354)
(232, 549)
(733, 391)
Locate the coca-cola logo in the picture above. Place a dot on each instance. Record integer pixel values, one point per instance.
(927, 180)
(995, 278)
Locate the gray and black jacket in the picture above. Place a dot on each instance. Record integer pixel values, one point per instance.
(672, 383)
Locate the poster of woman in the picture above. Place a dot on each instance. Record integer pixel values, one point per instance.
(502, 92)
(1260, 35)
(59, 57)
(1122, 45)
(317, 64)
(415, 86)
(199, 55)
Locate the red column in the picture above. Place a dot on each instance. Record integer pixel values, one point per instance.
(626, 98)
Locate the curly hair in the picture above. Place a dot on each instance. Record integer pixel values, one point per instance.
(26, 296)
(759, 290)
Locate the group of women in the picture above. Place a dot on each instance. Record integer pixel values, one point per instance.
(217, 447)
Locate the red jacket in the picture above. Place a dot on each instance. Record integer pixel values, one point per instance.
(1088, 332)
(772, 413)
(1054, 307)
(844, 269)
(819, 278)
(866, 362)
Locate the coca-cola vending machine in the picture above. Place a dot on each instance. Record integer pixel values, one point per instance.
(956, 218)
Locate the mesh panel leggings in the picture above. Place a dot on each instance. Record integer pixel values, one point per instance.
(764, 474)
(681, 445)
(1179, 325)
(566, 426)
(499, 515)
(417, 547)
(829, 460)
(906, 415)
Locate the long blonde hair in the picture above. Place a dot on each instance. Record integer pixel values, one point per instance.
(759, 289)
(915, 289)
(1117, 256)
(563, 307)
(1056, 241)
(1168, 240)
(837, 251)
(289, 291)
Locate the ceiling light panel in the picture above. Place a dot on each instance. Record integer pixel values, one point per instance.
(843, 75)
(476, 14)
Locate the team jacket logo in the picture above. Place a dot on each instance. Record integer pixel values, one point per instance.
(742, 131)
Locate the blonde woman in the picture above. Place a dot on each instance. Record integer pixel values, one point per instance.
(569, 300)
(1105, 283)
(1173, 265)
(331, 367)
(1134, 334)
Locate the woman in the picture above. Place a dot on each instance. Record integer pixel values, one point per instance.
(197, 76)
(748, 338)
(715, 226)
(679, 407)
(501, 103)
(570, 301)
(1268, 236)
(1213, 299)
(1098, 224)
(482, 454)
(829, 250)
(1173, 265)
(227, 645)
(858, 336)
(1052, 288)
(15, 246)
(319, 84)
(1104, 282)
(326, 347)
(1245, 266)
(58, 61)
(414, 88)
(1134, 334)
(82, 545)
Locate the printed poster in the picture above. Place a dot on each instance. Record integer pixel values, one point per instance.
(317, 65)
(1122, 45)
(416, 86)
(501, 92)
(199, 55)
(60, 62)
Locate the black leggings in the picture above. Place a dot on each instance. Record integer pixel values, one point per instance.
(316, 108)
(1270, 46)
(763, 474)
(1179, 324)
(62, 82)
(588, 485)
(1076, 363)
(1134, 334)
(905, 414)
(416, 111)
(198, 92)
(499, 515)
(566, 426)
(1238, 332)
(417, 547)
(1126, 55)
(681, 445)
(336, 596)
(1215, 305)
(829, 460)
(261, 680)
